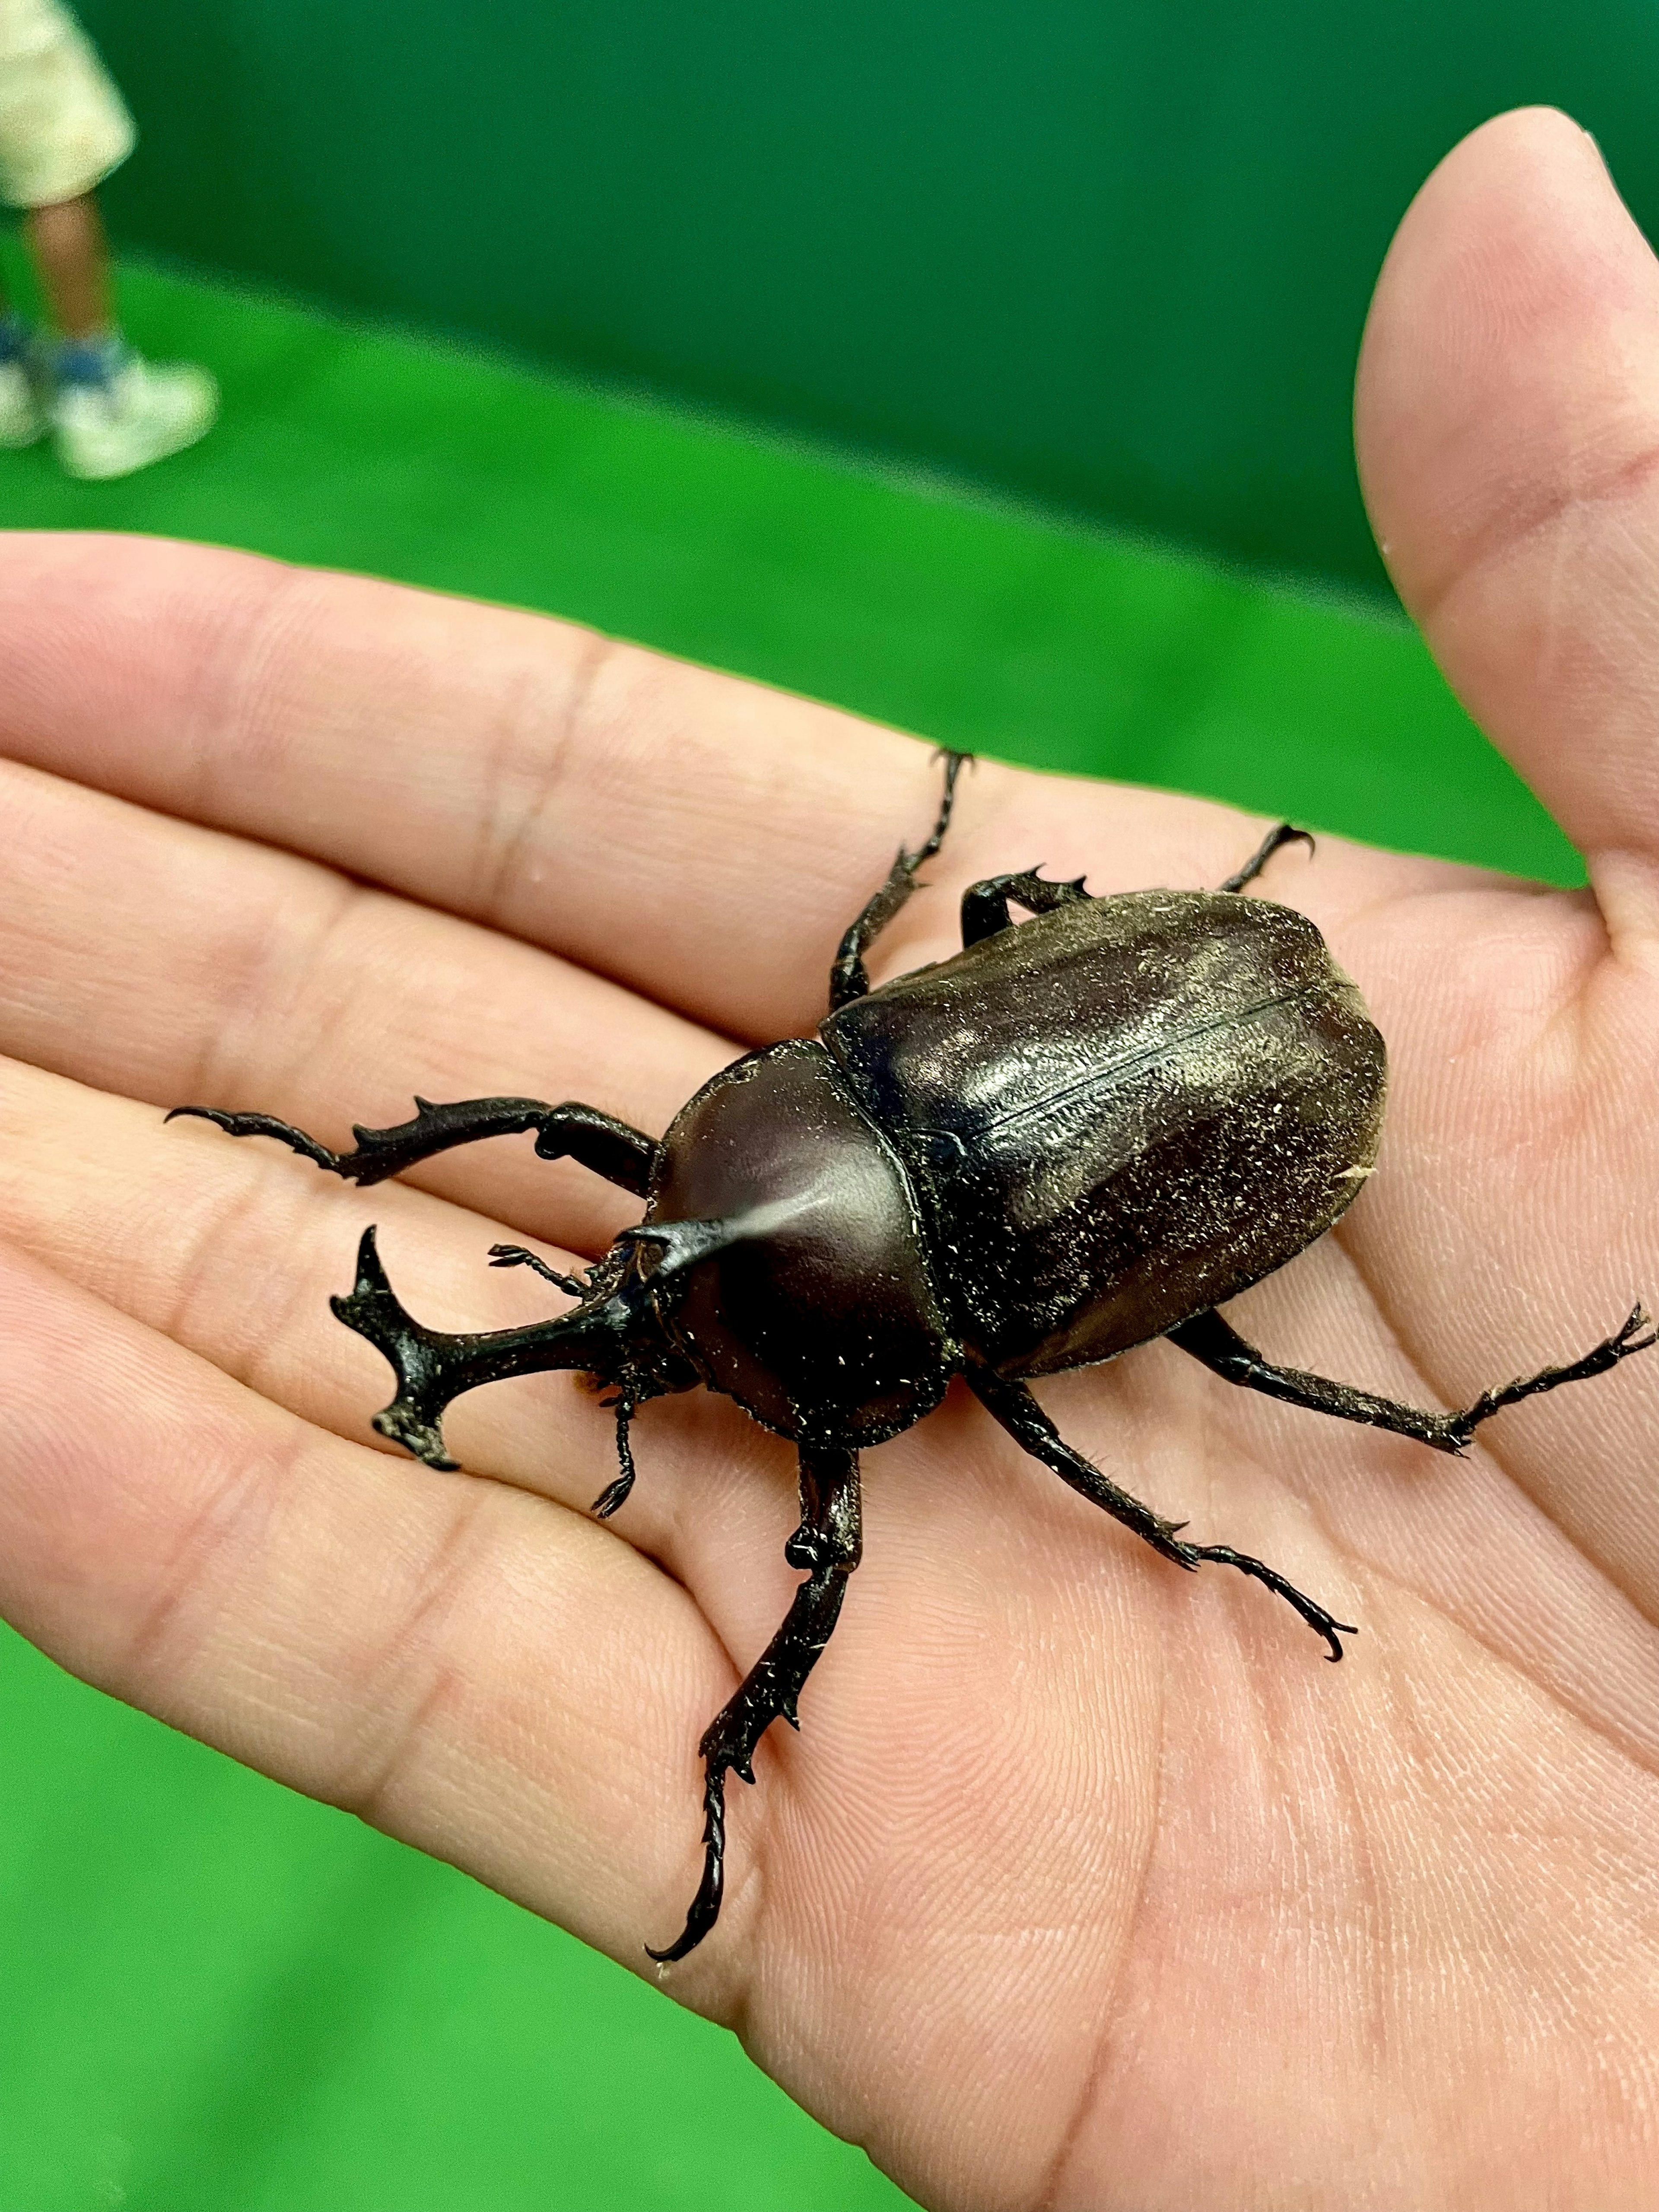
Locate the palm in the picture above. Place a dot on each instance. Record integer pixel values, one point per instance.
(1087, 1881)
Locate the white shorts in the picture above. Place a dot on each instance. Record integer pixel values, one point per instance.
(62, 124)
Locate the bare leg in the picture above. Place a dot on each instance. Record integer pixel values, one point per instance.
(985, 905)
(1219, 1346)
(1274, 841)
(610, 1147)
(827, 1544)
(68, 246)
(1018, 1412)
(847, 978)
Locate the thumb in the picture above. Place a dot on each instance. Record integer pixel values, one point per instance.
(1507, 423)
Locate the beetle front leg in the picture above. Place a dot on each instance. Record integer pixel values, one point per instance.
(827, 1544)
(1012, 1405)
(1274, 841)
(847, 977)
(1218, 1346)
(596, 1141)
(985, 905)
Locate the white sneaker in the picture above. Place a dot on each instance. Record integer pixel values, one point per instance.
(23, 419)
(137, 415)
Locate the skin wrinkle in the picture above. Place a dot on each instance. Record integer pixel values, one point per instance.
(444, 1582)
(1373, 1573)
(1375, 1915)
(212, 1529)
(275, 970)
(1632, 937)
(218, 1226)
(509, 829)
(231, 724)
(1494, 542)
(1049, 2197)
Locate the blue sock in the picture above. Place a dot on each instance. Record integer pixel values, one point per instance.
(14, 337)
(89, 361)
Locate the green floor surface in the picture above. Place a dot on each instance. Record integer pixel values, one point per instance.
(212, 1993)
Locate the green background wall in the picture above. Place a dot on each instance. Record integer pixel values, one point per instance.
(1112, 253)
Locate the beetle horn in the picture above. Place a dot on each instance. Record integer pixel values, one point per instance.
(432, 1368)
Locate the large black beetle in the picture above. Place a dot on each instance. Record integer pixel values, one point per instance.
(1073, 1136)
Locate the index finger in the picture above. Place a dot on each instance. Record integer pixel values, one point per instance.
(702, 838)
(582, 794)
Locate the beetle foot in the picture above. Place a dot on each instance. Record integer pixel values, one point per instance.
(263, 1125)
(827, 1545)
(614, 1496)
(1287, 833)
(1322, 1623)
(706, 1905)
(1636, 1333)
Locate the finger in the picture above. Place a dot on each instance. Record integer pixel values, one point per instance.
(234, 1251)
(705, 840)
(178, 965)
(473, 1669)
(523, 772)
(1508, 425)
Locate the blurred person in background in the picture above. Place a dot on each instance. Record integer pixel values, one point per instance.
(64, 128)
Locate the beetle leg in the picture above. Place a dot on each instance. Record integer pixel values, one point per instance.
(1272, 842)
(827, 1544)
(847, 977)
(598, 1141)
(985, 906)
(614, 1496)
(1220, 1348)
(432, 1368)
(1012, 1405)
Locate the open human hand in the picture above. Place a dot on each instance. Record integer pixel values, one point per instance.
(1086, 1885)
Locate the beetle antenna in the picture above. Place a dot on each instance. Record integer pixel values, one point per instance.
(515, 1255)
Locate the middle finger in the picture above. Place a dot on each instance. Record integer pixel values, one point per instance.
(180, 965)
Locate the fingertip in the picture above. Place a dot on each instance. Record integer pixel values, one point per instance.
(1513, 275)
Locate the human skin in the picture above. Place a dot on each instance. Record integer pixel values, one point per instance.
(67, 244)
(1088, 1884)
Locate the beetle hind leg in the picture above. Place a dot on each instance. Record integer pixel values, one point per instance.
(1217, 1345)
(1014, 1407)
(827, 1544)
